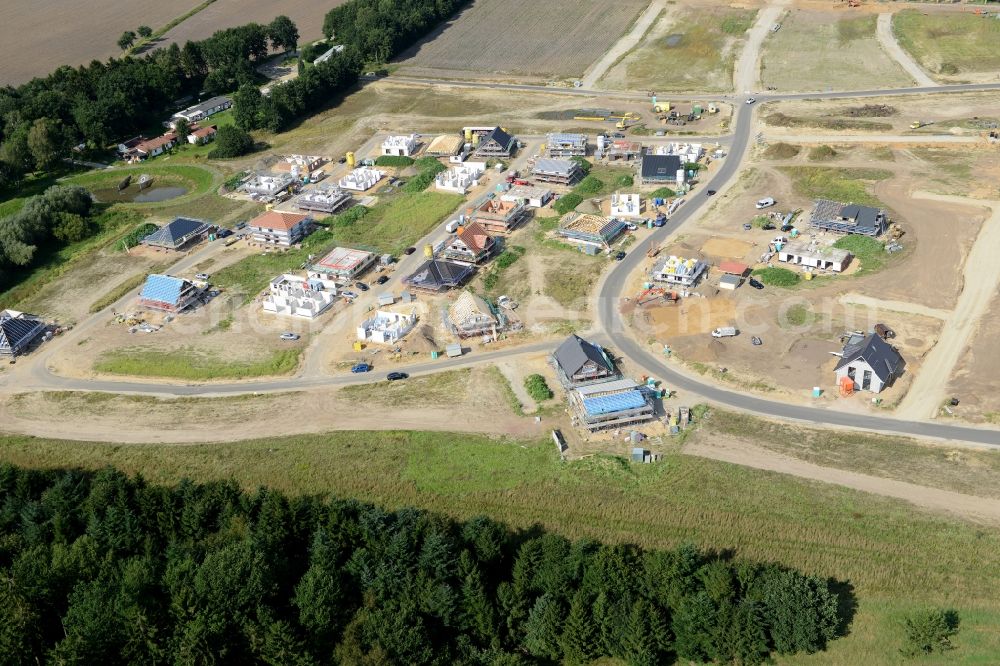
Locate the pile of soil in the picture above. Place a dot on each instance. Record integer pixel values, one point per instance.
(871, 111)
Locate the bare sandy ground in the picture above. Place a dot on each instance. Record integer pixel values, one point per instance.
(971, 507)
(982, 277)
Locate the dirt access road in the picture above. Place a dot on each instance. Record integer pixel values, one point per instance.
(625, 44)
(746, 74)
(943, 501)
(883, 29)
(981, 279)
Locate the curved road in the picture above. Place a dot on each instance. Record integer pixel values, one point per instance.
(608, 316)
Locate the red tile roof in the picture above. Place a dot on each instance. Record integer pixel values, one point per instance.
(277, 220)
(733, 267)
(475, 237)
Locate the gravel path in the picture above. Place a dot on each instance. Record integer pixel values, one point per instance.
(896, 52)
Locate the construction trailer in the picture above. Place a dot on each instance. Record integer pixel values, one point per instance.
(611, 404)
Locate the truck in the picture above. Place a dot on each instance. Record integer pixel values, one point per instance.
(725, 332)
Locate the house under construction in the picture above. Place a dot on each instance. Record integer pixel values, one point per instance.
(594, 232)
(566, 145)
(471, 315)
(498, 216)
(613, 404)
(168, 293)
(559, 172)
(324, 199)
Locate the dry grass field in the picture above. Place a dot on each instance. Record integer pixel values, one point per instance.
(951, 46)
(547, 39)
(37, 38)
(688, 48)
(807, 53)
(307, 14)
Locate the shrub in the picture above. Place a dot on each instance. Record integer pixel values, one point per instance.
(624, 181)
(662, 193)
(929, 631)
(777, 277)
(537, 388)
(231, 141)
(585, 165)
(133, 237)
(399, 161)
(567, 203)
(820, 153)
(590, 185)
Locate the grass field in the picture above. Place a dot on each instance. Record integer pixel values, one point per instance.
(687, 49)
(194, 365)
(848, 185)
(896, 558)
(198, 181)
(549, 39)
(870, 252)
(808, 53)
(949, 44)
(398, 220)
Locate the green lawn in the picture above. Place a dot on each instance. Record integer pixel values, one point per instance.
(198, 180)
(870, 252)
(777, 277)
(847, 185)
(13, 198)
(896, 558)
(950, 43)
(194, 365)
(397, 221)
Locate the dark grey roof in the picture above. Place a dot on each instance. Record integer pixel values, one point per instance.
(176, 233)
(501, 137)
(660, 166)
(880, 356)
(863, 218)
(574, 353)
(435, 274)
(17, 331)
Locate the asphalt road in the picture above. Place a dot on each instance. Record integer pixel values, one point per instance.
(610, 320)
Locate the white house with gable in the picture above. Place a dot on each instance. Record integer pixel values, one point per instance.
(386, 327)
(400, 146)
(361, 179)
(626, 205)
(296, 296)
(460, 178)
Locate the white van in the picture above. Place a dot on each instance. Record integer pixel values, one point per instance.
(765, 203)
(451, 227)
(724, 332)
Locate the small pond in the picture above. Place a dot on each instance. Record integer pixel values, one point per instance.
(132, 194)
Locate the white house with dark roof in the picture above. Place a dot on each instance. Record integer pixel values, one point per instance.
(848, 218)
(870, 363)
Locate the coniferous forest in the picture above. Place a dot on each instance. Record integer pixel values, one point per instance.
(101, 568)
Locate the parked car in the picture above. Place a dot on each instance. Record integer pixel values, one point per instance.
(202, 276)
(409, 250)
(396, 376)
(382, 279)
(724, 332)
(631, 226)
(361, 285)
(224, 233)
(240, 225)
(766, 202)
(350, 295)
(619, 255)
(288, 335)
(360, 367)
(751, 100)
(756, 284)
(710, 193)
(341, 160)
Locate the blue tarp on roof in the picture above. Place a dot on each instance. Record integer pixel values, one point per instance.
(617, 402)
(163, 289)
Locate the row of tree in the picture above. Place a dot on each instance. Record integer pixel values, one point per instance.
(60, 215)
(102, 103)
(103, 568)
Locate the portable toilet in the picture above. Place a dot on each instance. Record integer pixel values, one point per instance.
(794, 233)
(778, 246)
(817, 391)
(542, 149)
(468, 135)
(358, 346)
(350, 159)
(435, 354)
(808, 275)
